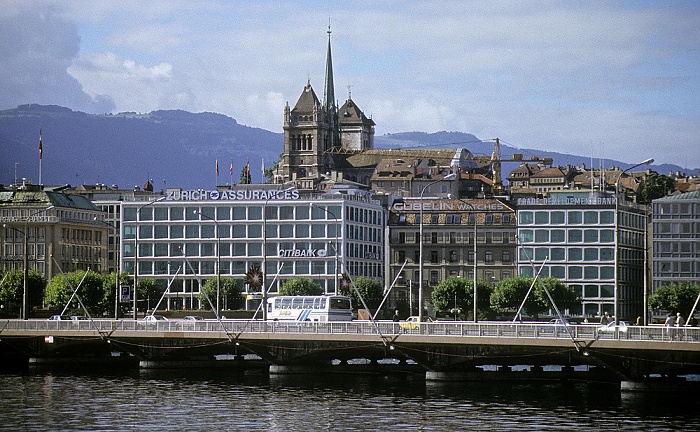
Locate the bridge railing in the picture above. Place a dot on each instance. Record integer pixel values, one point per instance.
(440, 328)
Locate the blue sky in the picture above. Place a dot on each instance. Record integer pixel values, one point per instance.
(614, 80)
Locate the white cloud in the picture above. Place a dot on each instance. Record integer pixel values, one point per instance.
(553, 74)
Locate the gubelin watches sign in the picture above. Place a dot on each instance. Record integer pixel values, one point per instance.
(231, 195)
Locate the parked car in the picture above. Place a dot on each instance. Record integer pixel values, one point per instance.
(559, 321)
(612, 328)
(194, 318)
(59, 318)
(154, 318)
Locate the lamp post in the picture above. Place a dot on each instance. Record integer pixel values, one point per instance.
(218, 260)
(450, 176)
(474, 271)
(616, 300)
(116, 260)
(136, 252)
(325, 209)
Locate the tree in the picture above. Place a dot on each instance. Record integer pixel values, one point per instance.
(150, 291)
(269, 173)
(12, 292)
(245, 177)
(229, 289)
(91, 291)
(509, 294)
(371, 290)
(450, 291)
(443, 296)
(678, 297)
(300, 286)
(656, 186)
(108, 286)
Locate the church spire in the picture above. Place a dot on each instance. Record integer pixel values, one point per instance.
(329, 92)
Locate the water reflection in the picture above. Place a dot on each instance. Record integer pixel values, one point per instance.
(65, 399)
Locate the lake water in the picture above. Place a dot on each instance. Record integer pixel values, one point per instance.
(173, 400)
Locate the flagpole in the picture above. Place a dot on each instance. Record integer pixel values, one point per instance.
(41, 155)
(230, 173)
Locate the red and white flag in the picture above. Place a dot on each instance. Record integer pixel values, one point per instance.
(41, 148)
(217, 167)
(230, 169)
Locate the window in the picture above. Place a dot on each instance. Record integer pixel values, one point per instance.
(575, 236)
(557, 236)
(557, 217)
(607, 217)
(558, 254)
(590, 236)
(575, 217)
(488, 256)
(575, 254)
(453, 256)
(525, 217)
(434, 219)
(607, 236)
(541, 236)
(434, 257)
(506, 257)
(590, 254)
(541, 217)
(590, 217)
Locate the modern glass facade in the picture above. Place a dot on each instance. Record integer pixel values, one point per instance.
(187, 238)
(676, 239)
(575, 237)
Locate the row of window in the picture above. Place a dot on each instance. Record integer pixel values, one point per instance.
(571, 272)
(453, 256)
(567, 254)
(570, 235)
(254, 213)
(239, 231)
(456, 219)
(571, 217)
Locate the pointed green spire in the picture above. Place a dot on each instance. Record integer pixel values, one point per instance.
(329, 92)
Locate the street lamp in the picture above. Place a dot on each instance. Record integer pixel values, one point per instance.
(116, 258)
(136, 252)
(616, 300)
(218, 260)
(25, 302)
(450, 196)
(450, 176)
(336, 244)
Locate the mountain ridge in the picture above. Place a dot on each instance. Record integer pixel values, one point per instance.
(178, 148)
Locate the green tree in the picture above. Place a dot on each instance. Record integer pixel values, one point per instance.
(12, 292)
(450, 290)
(108, 287)
(509, 294)
(91, 291)
(269, 173)
(678, 297)
(443, 296)
(656, 186)
(372, 292)
(150, 292)
(229, 289)
(300, 286)
(245, 177)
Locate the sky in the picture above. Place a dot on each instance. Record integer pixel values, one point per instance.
(614, 80)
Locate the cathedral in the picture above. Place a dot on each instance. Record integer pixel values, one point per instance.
(319, 137)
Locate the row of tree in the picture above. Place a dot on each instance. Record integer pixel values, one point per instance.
(453, 296)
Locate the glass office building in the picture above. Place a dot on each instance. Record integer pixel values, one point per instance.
(574, 235)
(186, 237)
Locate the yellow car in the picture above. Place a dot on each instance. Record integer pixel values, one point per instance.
(412, 322)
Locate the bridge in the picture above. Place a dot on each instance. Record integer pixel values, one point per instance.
(441, 350)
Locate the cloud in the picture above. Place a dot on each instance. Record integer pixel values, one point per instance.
(35, 63)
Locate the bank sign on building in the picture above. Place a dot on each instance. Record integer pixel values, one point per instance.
(190, 236)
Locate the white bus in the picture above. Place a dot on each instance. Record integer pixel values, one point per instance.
(309, 308)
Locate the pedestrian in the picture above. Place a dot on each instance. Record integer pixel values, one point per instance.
(679, 323)
(668, 324)
(639, 321)
(604, 319)
(396, 316)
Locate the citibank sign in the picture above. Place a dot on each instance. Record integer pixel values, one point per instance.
(232, 195)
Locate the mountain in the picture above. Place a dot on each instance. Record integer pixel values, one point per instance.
(127, 149)
(179, 148)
